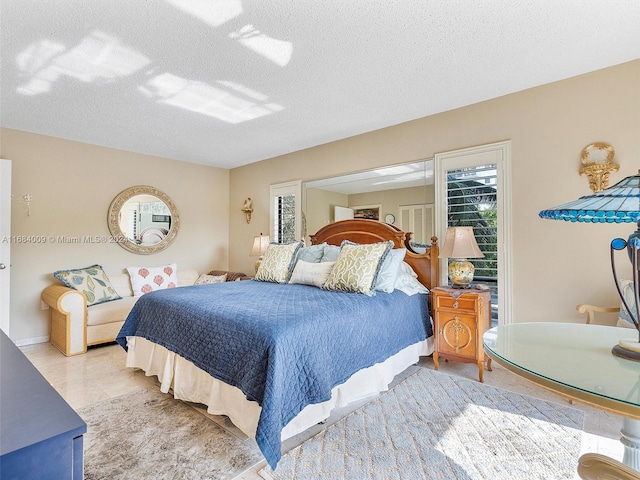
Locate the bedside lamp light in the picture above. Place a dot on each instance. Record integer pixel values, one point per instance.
(459, 245)
(260, 244)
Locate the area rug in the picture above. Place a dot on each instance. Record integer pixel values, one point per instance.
(148, 434)
(437, 426)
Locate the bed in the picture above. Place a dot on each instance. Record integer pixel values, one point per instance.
(276, 358)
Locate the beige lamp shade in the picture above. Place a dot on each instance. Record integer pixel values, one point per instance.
(260, 244)
(460, 242)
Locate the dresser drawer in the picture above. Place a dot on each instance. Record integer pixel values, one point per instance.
(464, 302)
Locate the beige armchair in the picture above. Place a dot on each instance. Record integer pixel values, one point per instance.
(623, 318)
(595, 466)
(591, 311)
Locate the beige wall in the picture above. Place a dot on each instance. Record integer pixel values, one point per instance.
(72, 185)
(556, 265)
(319, 208)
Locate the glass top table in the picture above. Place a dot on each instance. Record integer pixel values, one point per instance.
(575, 360)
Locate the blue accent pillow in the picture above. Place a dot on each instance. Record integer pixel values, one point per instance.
(311, 254)
(389, 270)
(331, 253)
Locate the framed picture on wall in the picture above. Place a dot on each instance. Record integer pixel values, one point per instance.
(371, 212)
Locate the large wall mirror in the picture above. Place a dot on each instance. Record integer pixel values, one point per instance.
(143, 220)
(402, 195)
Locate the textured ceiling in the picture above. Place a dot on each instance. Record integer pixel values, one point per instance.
(230, 82)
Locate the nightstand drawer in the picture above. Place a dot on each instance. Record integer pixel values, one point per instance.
(463, 302)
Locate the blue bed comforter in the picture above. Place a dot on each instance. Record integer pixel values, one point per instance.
(285, 346)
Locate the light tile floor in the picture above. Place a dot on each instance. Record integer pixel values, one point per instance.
(100, 374)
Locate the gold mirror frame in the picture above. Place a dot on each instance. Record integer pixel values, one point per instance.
(113, 220)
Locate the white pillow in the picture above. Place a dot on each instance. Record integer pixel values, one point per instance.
(277, 263)
(407, 281)
(311, 273)
(357, 267)
(148, 279)
(390, 270)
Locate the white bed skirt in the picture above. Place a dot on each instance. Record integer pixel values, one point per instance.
(192, 384)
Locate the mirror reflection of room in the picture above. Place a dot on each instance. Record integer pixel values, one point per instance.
(402, 195)
(145, 220)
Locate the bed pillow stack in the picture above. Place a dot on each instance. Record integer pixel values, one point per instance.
(357, 266)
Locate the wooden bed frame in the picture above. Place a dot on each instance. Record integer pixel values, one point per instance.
(373, 231)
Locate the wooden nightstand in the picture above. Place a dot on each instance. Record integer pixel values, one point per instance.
(460, 319)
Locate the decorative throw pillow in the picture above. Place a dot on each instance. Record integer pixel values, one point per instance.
(389, 270)
(92, 281)
(209, 279)
(311, 273)
(148, 279)
(277, 263)
(357, 266)
(624, 320)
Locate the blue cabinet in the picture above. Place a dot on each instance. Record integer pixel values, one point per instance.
(40, 434)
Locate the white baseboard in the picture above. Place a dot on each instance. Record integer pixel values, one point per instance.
(31, 341)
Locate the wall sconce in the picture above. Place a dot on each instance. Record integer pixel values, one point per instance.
(597, 159)
(247, 209)
(27, 203)
(260, 244)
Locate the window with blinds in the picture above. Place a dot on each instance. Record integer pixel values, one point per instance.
(472, 199)
(284, 218)
(285, 212)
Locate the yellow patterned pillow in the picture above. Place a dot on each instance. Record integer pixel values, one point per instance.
(278, 262)
(357, 267)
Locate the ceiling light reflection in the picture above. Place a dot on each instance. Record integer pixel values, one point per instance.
(277, 51)
(212, 101)
(212, 12)
(98, 56)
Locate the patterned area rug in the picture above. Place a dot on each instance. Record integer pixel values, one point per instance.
(436, 426)
(148, 434)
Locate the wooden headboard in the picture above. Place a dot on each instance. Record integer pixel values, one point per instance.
(373, 231)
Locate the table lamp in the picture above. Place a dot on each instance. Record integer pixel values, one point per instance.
(617, 204)
(260, 244)
(459, 245)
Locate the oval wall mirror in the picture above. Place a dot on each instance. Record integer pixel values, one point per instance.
(143, 220)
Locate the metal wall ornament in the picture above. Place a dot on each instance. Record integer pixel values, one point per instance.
(247, 209)
(597, 161)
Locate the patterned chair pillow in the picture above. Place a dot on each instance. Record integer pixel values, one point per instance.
(92, 281)
(624, 320)
(357, 267)
(148, 279)
(277, 263)
(210, 279)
